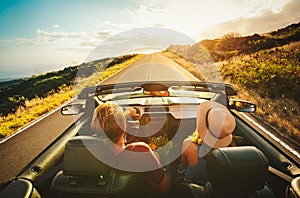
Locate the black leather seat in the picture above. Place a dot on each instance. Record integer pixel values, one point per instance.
(233, 172)
(85, 175)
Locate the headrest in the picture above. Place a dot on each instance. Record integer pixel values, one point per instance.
(84, 156)
(242, 168)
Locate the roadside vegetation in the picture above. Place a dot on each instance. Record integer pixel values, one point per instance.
(33, 97)
(272, 80)
(265, 69)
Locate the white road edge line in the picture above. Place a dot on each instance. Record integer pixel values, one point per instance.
(36, 121)
(272, 136)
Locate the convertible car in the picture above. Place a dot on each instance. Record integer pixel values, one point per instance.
(165, 114)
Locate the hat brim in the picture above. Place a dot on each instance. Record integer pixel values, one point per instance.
(202, 129)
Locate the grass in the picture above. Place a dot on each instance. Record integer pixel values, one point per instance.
(39, 106)
(281, 113)
(33, 109)
(259, 78)
(271, 79)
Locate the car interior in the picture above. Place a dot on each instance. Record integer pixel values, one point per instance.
(240, 171)
(68, 168)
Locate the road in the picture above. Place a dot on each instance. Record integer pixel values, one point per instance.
(153, 67)
(18, 151)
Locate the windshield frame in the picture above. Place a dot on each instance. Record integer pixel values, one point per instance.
(193, 86)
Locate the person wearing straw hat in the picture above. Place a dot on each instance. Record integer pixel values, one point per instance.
(215, 125)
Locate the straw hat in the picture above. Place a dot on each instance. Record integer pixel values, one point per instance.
(215, 124)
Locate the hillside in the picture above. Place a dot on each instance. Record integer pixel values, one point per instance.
(264, 68)
(13, 94)
(233, 44)
(63, 85)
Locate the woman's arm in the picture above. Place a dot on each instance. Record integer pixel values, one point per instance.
(163, 186)
(184, 161)
(185, 149)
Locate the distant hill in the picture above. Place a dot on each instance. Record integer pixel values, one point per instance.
(14, 93)
(233, 44)
(269, 63)
(265, 68)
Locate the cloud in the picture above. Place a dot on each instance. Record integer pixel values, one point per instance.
(17, 40)
(268, 20)
(138, 40)
(65, 39)
(102, 35)
(56, 26)
(111, 28)
(193, 17)
(49, 34)
(80, 48)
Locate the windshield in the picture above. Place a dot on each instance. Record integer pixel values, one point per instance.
(172, 93)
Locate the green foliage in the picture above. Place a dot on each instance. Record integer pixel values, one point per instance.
(120, 59)
(233, 44)
(44, 85)
(59, 90)
(32, 110)
(196, 54)
(265, 67)
(156, 142)
(271, 79)
(291, 32)
(273, 73)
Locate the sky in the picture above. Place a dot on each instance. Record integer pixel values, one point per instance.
(38, 36)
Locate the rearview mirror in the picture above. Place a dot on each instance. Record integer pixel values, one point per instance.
(72, 109)
(242, 106)
(157, 93)
(155, 89)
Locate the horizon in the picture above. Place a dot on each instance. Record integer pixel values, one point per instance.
(37, 37)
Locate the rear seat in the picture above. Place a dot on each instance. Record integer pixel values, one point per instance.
(85, 175)
(234, 172)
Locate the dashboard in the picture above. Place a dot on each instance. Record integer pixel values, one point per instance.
(160, 120)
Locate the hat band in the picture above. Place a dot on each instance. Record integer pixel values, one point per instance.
(207, 126)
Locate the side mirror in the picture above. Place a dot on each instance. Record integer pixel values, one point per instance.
(242, 106)
(72, 109)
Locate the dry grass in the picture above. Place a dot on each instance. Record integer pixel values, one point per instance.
(37, 107)
(282, 113)
(33, 110)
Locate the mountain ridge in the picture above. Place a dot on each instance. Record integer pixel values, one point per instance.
(233, 44)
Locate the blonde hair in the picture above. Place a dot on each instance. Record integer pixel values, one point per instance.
(110, 119)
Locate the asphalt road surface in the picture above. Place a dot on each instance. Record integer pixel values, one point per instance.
(18, 151)
(153, 67)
